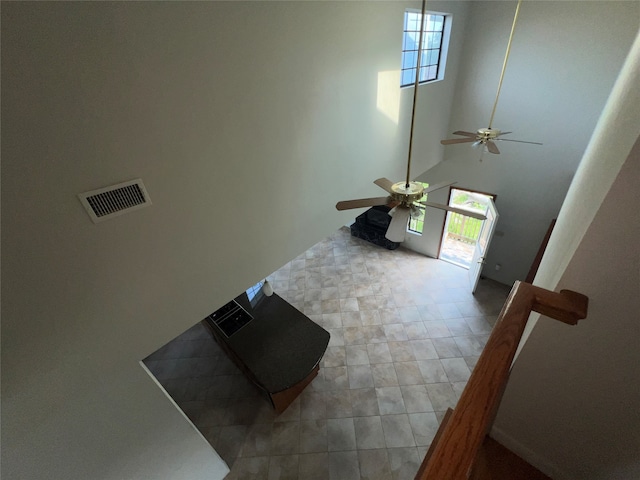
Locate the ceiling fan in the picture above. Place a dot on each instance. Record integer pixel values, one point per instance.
(405, 196)
(486, 137)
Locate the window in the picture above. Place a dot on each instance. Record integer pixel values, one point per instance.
(253, 291)
(416, 225)
(434, 47)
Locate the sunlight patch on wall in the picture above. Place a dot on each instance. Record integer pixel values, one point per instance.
(389, 94)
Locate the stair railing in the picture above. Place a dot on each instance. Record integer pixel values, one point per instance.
(453, 452)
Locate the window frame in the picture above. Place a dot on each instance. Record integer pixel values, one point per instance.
(443, 49)
(416, 222)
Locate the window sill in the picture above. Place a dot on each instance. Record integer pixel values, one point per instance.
(430, 82)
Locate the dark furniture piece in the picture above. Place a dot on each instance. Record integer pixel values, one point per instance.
(275, 345)
(372, 226)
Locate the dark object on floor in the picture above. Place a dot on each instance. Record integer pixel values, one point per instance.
(372, 225)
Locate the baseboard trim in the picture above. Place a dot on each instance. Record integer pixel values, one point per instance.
(544, 465)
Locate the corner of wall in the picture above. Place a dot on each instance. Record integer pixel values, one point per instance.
(544, 465)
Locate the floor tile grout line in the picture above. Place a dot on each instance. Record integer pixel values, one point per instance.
(392, 264)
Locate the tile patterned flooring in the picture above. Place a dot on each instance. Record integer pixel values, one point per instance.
(405, 334)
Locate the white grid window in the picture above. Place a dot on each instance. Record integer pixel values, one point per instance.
(433, 47)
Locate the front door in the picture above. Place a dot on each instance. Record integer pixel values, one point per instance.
(482, 245)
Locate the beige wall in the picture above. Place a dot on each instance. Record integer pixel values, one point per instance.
(571, 403)
(564, 60)
(246, 121)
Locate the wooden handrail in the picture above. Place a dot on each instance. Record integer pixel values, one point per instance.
(543, 246)
(453, 457)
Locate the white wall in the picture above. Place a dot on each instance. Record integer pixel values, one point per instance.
(564, 60)
(434, 102)
(246, 121)
(571, 404)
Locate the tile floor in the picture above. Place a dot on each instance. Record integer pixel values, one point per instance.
(405, 334)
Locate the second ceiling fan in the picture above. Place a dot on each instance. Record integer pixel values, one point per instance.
(486, 137)
(406, 196)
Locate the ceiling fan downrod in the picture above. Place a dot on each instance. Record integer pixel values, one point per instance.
(486, 137)
(415, 90)
(504, 64)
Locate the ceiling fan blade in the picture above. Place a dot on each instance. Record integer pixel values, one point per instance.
(437, 186)
(492, 147)
(362, 202)
(503, 133)
(398, 226)
(466, 134)
(517, 141)
(461, 211)
(451, 141)
(384, 183)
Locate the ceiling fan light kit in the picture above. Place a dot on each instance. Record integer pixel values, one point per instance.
(405, 196)
(486, 137)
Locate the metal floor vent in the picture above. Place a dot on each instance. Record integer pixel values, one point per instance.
(109, 202)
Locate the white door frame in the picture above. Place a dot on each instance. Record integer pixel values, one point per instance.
(482, 245)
